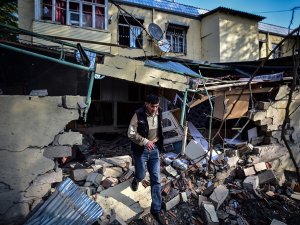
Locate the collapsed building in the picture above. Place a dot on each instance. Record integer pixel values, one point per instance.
(230, 148)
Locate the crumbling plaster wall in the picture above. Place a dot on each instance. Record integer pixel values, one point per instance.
(28, 126)
(270, 116)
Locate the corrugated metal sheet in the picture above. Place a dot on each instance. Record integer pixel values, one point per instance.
(173, 67)
(273, 29)
(167, 6)
(58, 30)
(67, 205)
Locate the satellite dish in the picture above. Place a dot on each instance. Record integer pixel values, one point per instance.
(155, 31)
(164, 45)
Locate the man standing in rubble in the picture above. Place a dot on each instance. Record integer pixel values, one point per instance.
(145, 133)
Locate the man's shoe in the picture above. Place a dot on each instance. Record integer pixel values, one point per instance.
(134, 185)
(158, 217)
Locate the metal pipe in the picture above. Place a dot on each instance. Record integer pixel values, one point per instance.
(183, 108)
(184, 138)
(88, 97)
(45, 57)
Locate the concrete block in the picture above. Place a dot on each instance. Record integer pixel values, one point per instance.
(232, 161)
(183, 196)
(194, 150)
(257, 115)
(295, 196)
(282, 93)
(201, 199)
(208, 213)
(37, 191)
(80, 174)
(277, 222)
(231, 152)
(49, 178)
(70, 138)
(124, 161)
(72, 102)
(249, 171)
(112, 171)
(171, 171)
(267, 177)
(251, 183)
(58, 152)
(88, 190)
(266, 121)
(245, 149)
(173, 202)
(94, 178)
(219, 195)
(263, 105)
(260, 166)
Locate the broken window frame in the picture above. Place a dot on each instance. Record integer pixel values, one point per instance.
(130, 32)
(61, 12)
(278, 52)
(176, 36)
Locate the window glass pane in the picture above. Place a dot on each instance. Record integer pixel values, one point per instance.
(87, 16)
(100, 17)
(74, 13)
(60, 11)
(46, 10)
(124, 36)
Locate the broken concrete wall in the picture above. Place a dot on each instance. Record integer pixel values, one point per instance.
(28, 126)
(269, 115)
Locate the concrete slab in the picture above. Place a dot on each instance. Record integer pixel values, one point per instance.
(251, 183)
(126, 203)
(219, 195)
(70, 138)
(80, 174)
(172, 203)
(52, 152)
(194, 151)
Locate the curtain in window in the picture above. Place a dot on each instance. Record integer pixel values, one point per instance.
(60, 12)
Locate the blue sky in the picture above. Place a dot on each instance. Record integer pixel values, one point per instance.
(259, 7)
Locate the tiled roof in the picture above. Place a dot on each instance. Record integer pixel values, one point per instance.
(168, 6)
(265, 27)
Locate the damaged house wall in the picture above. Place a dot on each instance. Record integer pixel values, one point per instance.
(29, 126)
(269, 116)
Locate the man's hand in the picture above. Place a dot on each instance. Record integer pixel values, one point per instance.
(150, 145)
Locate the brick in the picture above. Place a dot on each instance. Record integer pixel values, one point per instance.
(57, 152)
(80, 174)
(249, 171)
(251, 183)
(173, 202)
(263, 105)
(260, 166)
(208, 213)
(267, 177)
(219, 195)
(109, 182)
(70, 138)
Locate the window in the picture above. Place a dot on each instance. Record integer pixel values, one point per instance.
(278, 51)
(176, 35)
(83, 13)
(130, 32)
